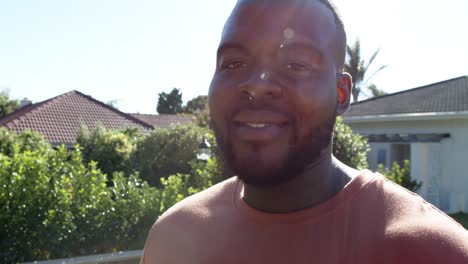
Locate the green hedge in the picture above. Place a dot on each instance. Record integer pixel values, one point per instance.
(55, 206)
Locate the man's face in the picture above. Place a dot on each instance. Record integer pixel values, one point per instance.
(273, 96)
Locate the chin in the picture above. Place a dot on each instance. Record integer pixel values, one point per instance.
(253, 171)
(263, 171)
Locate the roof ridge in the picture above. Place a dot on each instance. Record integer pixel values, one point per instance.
(410, 90)
(41, 105)
(142, 114)
(24, 111)
(178, 114)
(125, 115)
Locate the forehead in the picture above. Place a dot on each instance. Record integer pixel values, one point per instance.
(293, 20)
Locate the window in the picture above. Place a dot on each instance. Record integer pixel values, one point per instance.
(382, 157)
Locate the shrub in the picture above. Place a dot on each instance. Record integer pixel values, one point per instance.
(134, 208)
(350, 148)
(401, 175)
(27, 140)
(54, 206)
(179, 186)
(168, 152)
(111, 150)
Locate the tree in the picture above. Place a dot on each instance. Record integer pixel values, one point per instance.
(7, 106)
(376, 91)
(170, 103)
(358, 67)
(113, 103)
(197, 105)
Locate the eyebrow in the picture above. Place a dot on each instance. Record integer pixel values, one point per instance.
(231, 46)
(301, 46)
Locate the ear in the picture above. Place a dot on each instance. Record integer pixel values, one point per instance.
(344, 88)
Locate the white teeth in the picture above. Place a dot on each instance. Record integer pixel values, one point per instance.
(256, 125)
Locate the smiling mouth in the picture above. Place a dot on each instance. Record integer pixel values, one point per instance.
(259, 125)
(256, 125)
(259, 119)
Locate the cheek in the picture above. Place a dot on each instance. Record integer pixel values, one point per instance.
(221, 99)
(314, 103)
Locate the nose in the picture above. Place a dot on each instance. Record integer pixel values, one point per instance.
(260, 85)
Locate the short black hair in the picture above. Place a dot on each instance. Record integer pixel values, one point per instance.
(339, 22)
(341, 32)
(340, 29)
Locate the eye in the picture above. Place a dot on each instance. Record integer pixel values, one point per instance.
(233, 65)
(297, 67)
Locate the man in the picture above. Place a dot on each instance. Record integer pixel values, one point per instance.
(274, 97)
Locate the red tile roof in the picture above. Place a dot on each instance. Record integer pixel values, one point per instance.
(165, 121)
(59, 118)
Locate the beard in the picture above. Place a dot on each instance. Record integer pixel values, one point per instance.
(301, 153)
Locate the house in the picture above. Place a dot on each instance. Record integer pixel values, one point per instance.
(164, 120)
(59, 118)
(427, 125)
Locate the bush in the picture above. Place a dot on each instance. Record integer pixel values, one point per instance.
(168, 152)
(54, 206)
(348, 147)
(401, 175)
(133, 210)
(179, 186)
(111, 150)
(27, 140)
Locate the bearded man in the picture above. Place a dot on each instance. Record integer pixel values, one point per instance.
(276, 92)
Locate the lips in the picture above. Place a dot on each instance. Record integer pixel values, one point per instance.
(259, 125)
(255, 125)
(259, 117)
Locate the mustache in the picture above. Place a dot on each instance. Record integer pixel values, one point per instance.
(262, 106)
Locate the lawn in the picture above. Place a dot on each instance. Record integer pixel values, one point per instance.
(461, 218)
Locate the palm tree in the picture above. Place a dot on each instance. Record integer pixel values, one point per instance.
(375, 91)
(358, 67)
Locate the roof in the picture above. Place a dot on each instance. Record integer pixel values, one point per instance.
(60, 118)
(164, 121)
(446, 96)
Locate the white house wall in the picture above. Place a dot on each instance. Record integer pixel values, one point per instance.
(372, 156)
(453, 152)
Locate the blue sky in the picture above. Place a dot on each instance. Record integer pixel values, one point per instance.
(130, 51)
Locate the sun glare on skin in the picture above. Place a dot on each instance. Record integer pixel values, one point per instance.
(288, 33)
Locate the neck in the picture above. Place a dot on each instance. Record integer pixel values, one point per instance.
(316, 184)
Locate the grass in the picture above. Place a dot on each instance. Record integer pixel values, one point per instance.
(461, 218)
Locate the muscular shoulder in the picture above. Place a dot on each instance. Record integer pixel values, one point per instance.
(187, 223)
(203, 205)
(418, 230)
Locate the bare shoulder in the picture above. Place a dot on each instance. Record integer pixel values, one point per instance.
(203, 205)
(418, 229)
(188, 221)
(429, 238)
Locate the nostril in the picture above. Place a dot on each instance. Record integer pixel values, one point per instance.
(262, 84)
(248, 93)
